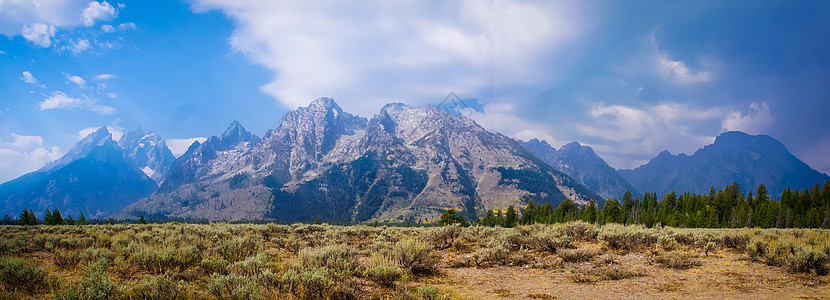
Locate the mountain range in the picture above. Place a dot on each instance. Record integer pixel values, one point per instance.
(97, 176)
(735, 156)
(403, 163)
(582, 164)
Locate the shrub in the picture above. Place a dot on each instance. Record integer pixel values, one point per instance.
(233, 250)
(155, 287)
(668, 243)
(15, 274)
(578, 255)
(603, 273)
(627, 238)
(550, 242)
(250, 267)
(210, 265)
(677, 261)
(337, 258)
(66, 260)
(806, 260)
(443, 237)
(428, 292)
(95, 285)
(579, 230)
(415, 256)
(232, 287)
(735, 241)
(384, 275)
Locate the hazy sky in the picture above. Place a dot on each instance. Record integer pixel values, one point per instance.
(628, 78)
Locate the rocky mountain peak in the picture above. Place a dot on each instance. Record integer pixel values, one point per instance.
(98, 138)
(236, 134)
(323, 104)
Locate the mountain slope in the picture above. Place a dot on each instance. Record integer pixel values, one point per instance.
(95, 176)
(322, 162)
(581, 163)
(735, 156)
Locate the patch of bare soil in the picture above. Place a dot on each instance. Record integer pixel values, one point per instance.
(723, 275)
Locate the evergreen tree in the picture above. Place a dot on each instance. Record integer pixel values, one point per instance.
(57, 219)
(489, 219)
(779, 221)
(142, 221)
(789, 219)
(32, 217)
(510, 217)
(70, 220)
(47, 218)
(449, 217)
(529, 214)
(24, 218)
(761, 193)
(82, 220)
(826, 223)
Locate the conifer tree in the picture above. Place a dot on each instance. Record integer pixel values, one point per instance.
(57, 219)
(510, 217)
(47, 218)
(24, 217)
(70, 220)
(82, 220)
(32, 217)
(142, 221)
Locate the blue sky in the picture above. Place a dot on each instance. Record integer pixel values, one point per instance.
(629, 79)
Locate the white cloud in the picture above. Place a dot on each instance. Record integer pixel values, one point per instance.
(30, 79)
(79, 46)
(104, 76)
(502, 118)
(59, 100)
(625, 132)
(40, 21)
(97, 11)
(77, 80)
(40, 34)
(179, 146)
(126, 26)
(15, 162)
(24, 154)
(368, 54)
(678, 72)
(25, 141)
(107, 28)
(755, 121)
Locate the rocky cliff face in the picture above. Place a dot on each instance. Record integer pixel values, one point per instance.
(149, 151)
(735, 156)
(581, 163)
(404, 162)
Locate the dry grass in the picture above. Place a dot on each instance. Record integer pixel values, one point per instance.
(221, 261)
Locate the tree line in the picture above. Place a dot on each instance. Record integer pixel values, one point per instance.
(28, 217)
(726, 208)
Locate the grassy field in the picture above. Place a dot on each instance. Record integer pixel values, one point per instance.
(571, 260)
